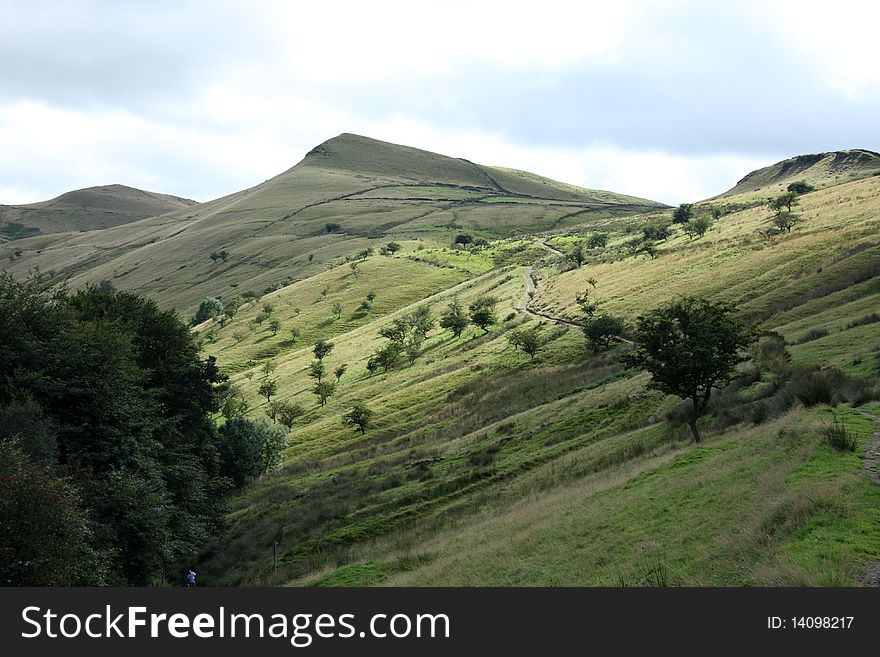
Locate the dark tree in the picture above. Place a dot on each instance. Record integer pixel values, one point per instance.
(366, 253)
(316, 370)
(392, 247)
(454, 318)
(698, 227)
(337, 309)
(464, 239)
(324, 391)
(785, 221)
(601, 331)
(288, 413)
(690, 347)
(268, 388)
(530, 341)
(598, 241)
(208, 309)
(577, 254)
(800, 187)
(322, 348)
(786, 200)
(332, 228)
(339, 371)
(683, 213)
(358, 416)
(274, 325)
(249, 449)
(483, 312)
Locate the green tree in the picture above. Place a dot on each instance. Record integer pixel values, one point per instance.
(358, 416)
(602, 330)
(323, 391)
(316, 370)
(577, 254)
(337, 309)
(233, 402)
(785, 221)
(454, 318)
(698, 226)
(366, 253)
(482, 312)
(683, 213)
(249, 449)
(690, 347)
(800, 187)
(268, 388)
(530, 340)
(598, 241)
(208, 309)
(322, 348)
(786, 200)
(289, 413)
(355, 269)
(392, 247)
(339, 371)
(274, 325)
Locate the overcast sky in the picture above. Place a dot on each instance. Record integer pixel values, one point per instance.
(670, 100)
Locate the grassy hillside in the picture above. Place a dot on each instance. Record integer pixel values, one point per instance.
(277, 232)
(85, 209)
(485, 467)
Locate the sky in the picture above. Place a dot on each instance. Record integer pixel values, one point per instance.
(669, 100)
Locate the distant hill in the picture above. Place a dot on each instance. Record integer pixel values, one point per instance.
(92, 208)
(819, 169)
(347, 194)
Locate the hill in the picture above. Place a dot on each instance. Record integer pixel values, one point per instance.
(483, 467)
(348, 194)
(819, 170)
(84, 210)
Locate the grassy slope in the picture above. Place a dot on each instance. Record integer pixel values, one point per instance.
(87, 209)
(374, 190)
(483, 468)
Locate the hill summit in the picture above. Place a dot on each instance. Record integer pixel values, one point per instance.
(91, 208)
(818, 169)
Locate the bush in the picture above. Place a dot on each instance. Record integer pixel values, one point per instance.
(839, 437)
(815, 386)
(249, 449)
(812, 334)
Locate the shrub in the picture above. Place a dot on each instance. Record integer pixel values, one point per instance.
(812, 334)
(839, 437)
(815, 386)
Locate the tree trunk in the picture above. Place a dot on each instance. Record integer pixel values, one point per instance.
(694, 417)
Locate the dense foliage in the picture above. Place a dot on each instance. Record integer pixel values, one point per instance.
(110, 464)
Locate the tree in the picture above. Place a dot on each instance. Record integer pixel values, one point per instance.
(274, 325)
(355, 269)
(316, 370)
(386, 357)
(577, 254)
(324, 390)
(268, 388)
(454, 318)
(332, 228)
(698, 227)
(413, 347)
(339, 371)
(602, 330)
(588, 303)
(421, 321)
(690, 347)
(483, 312)
(272, 410)
(295, 334)
(530, 340)
(337, 309)
(392, 247)
(366, 253)
(311, 257)
(219, 255)
(268, 367)
(322, 348)
(656, 232)
(233, 402)
(785, 221)
(358, 416)
(785, 200)
(288, 413)
(464, 239)
(598, 241)
(800, 187)
(249, 449)
(208, 309)
(649, 248)
(268, 308)
(683, 213)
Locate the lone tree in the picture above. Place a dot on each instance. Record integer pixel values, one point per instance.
(208, 308)
(483, 312)
(454, 318)
(339, 371)
(800, 187)
(355, 269)
(358, 416)
(530, 341)
(322, 348)
(268, 388)
(274, 325)
(690, 346)
(337, 309)
(391, 248)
